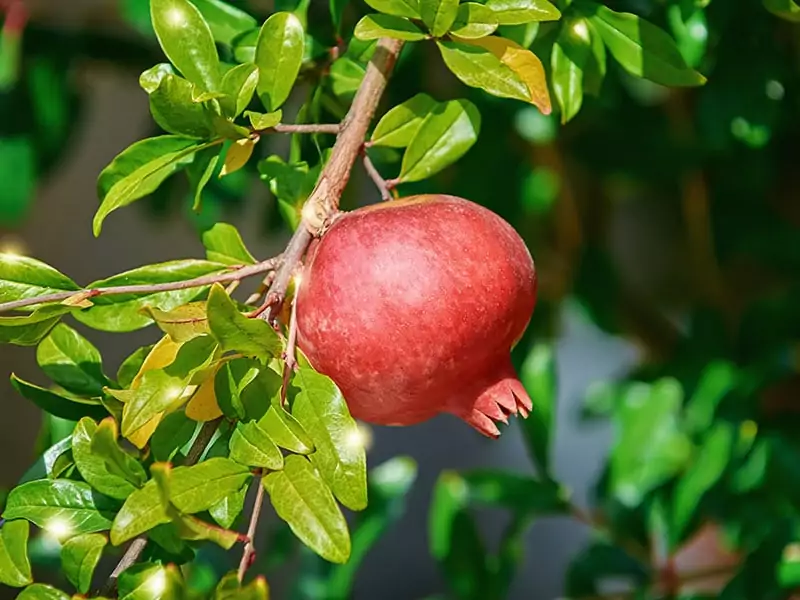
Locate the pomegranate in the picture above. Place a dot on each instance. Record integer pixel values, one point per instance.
(412, 306)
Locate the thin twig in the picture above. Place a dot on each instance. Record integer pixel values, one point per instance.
(323, 203)
(234, 274)
(250, 548)
(289, 356)
(137, 546)
(376, 177)
(332, 128)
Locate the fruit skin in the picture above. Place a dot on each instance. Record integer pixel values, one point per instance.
(412, 306)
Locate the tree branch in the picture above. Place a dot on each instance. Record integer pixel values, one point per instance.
(376, 177)
(323, 203)
(333, 128)
(137, 546)
(250, 548)
(234, 275)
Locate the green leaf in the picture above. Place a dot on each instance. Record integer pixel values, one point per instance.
(568, 60)
(251, 446)
(41, 591)
(389, 484)
(538, 375)
(649, 447)
(226, 511)
(124, 312)
(522, 494)
(595, 70)
(148, 581)
(524, 35)
(225, 21)
(398, 8)
(234, 331)
(31, 329)
(138, 155)
(279, 54)
(305, 502)
(46, 465)
(15, 567)
(183, 323)
(290, 183)
(785, 9)
(71, 361)
(705, 470)
(239, 85)
(444, 136)
(199, 487)
(187, 41)
(339, 456)
(79, 557)
(66, 407)
(93, 466)
(372, 27)
(263, 121)
(643, 49)
(200, 173)
(131, 365)
(143, 510)
(438, 15)
(224, 245)
(478, 67)
(60, 505)
(244, 46)
(174, 109)
(229, 588)
(517, 12)
(147, 176)
(602, 561)
(162, 389)
(690, 33)
(286, 431)
(118, 461)
(22, 277)
(717, 380)
(398, 126)
(474, 20)
(346, 76)
(454, 540)
(173, 433)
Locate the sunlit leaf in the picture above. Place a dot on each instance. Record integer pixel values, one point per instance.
(183, 323)
(286, 431)
(79, 557)
(398, 8)
(372, 27)
(187, 41)
(251, 446)
(444, 136)
(398, 126)
(224, 244)
(515, 12)
(143, 510)
(262, 121)
(15, 567)
(225, 20)
(23, 277)
(474, 20)
(279, 54)
(61, 505)
(41, 591)
(340, 456)
(148, 581)
(643, 49)
(305, 502)
(199, 487)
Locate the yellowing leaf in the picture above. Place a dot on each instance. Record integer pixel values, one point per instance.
(203, 406)
(162, 354)
(238, 155)
(523, 62)
(141, 436)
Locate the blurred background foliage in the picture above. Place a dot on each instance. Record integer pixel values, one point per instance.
(668, 217)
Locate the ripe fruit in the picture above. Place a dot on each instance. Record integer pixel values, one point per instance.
(412, 307)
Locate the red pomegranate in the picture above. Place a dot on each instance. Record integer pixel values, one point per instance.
(412, 306)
